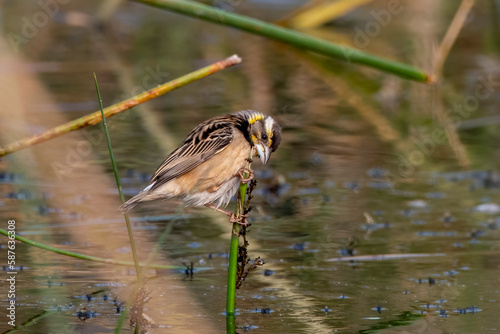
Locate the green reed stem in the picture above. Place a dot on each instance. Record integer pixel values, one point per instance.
(31, 321)
(230, 324)
(233, 251)
(289, 36)
(118, 183)
(121, 320)
(86, 257)
(96, 117)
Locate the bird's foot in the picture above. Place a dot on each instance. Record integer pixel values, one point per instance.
(242, 176)
(241, 219)
(216, 208)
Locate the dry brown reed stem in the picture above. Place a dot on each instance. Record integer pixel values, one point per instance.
(96, 117)
(442, 53)
(451, 36)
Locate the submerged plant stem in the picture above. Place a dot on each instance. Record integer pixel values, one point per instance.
(289, 36)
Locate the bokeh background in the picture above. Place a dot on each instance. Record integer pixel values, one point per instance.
(370, 165)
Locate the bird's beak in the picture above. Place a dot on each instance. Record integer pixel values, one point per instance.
(263, 152)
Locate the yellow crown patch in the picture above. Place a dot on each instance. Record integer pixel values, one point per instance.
(254, 117)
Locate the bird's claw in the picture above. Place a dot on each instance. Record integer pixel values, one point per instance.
(242, 219)
(244, 179)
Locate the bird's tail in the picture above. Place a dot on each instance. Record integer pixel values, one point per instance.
(133, 202)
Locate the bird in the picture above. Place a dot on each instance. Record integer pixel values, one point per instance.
(207, 168)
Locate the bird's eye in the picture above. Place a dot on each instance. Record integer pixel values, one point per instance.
(264, 136)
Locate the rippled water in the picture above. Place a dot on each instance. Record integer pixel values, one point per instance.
(373, 215)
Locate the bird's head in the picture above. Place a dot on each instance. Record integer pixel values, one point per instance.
(264, 133)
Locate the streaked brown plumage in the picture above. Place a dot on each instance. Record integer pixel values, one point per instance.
(204, 170)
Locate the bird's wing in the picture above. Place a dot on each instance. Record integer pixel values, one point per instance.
(202, 143)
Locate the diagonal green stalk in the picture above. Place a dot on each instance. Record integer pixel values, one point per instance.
(118, 183)
(31, 321)
(86, 257)
(289, 36)
(233, 251)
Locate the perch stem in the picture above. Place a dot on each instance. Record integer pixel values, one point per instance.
(233, 249)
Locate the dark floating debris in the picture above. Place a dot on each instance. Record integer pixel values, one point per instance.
(380, 185)
(429, 306)
(442, 313)
(437, 234)
(435, 195)
(452, 272)
(316, 159)
(189, 271)
(16, 268)
(468, 310)
(346, 251)
(268, 272)
(407, 213)
(493, 225)
(299, 246)
(308, 191)
(447, 217)
(266, 310)
(326, 309)
(376, 172)
(327, 199)
(376, 226)
(22, 194)
(379, 309)
(432, 281)
(475, 233)
(83, 314)
(352, 185)
(248, 328)
(10, 177)
(118, 306)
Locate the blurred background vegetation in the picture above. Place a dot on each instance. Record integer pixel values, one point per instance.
(370, 164)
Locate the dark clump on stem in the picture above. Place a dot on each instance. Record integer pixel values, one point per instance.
(244, 264)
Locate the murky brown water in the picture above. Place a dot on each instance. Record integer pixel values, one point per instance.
(373, 215)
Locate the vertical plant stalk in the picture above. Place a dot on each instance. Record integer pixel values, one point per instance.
(233, 249)
(451, 36)
(288, 36)
(96, 117)
(118, 183)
